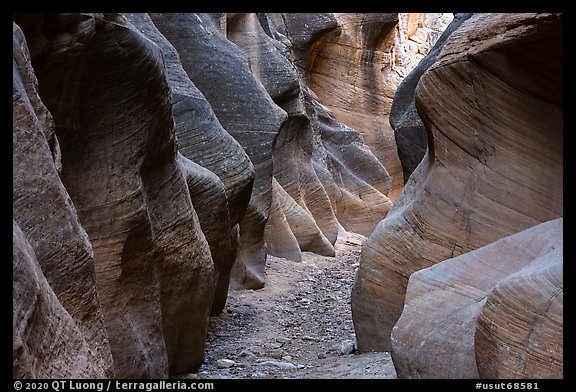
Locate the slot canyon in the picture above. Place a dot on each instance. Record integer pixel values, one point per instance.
(287, 196)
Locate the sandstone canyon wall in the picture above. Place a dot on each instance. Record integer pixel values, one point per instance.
(153, 269)
(409, 131)
(221, 71)
(492, 106)
(221, 193)
(158, 160)
(356, 59)
(55, 297)
(336, 168)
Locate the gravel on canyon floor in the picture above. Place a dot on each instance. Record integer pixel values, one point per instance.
(299, 326)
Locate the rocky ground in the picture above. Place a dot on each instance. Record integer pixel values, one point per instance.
(298, 326)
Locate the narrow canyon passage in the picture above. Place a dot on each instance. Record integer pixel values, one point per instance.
(287, 196)
(179, 192)
(298, 326)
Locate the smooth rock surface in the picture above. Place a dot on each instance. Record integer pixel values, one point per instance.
(462, 309)
(161, 159)
(352, 178)
(531, 300)
(219, 173)
(46, 340)
(292, 227)
(492, 104)
(409, 131)
(356, 60)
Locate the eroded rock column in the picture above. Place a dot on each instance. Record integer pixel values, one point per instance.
(221, 72)
(218, 172)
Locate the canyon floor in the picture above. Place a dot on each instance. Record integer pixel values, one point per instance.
(299, 326)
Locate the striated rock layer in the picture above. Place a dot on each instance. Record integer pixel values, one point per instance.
(492, 104)
(46, 340)
(221, 72)
(58, 329)
(458, 314)
(292, 225)
(158, 160)
(153, 267)
(356, 60)
(355, 67)
(533, 301)
(409, 131)
(327, 178)
(218, 171)
(350, 176)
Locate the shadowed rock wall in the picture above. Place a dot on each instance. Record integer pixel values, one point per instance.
(56, 309)
(153, 269)
(167, 155)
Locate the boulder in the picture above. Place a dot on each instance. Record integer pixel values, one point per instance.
(458, 314)
(532, 301)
